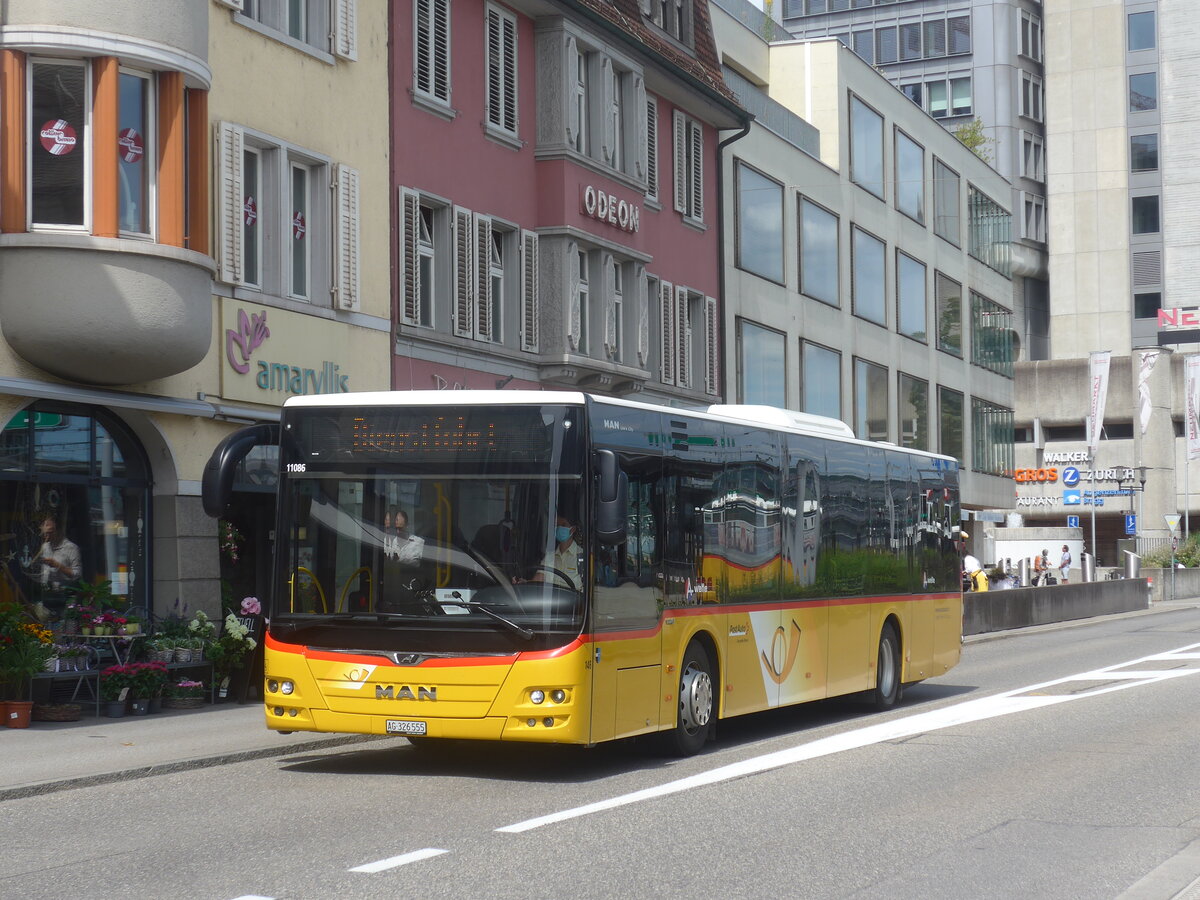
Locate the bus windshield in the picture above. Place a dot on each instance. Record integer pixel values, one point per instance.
(431, 527)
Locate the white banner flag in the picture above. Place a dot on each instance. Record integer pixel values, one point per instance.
(1145, 367)
(1191, 387)
(1098, 363)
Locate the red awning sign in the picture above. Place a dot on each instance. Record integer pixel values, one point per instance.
(130, 144)
(58, 138)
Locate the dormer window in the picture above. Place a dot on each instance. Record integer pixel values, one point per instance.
(672, 16)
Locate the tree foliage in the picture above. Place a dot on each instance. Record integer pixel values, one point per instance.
(974, 138)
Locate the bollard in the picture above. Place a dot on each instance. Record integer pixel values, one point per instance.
(1023, 572)
(1133, 565)
(1088, 562)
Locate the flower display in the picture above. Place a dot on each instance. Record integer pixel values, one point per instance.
(229, 540)
(184, 689)
(201, 627)
(229, 651)
(251, 606)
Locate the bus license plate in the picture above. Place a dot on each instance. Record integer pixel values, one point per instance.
(402, 726)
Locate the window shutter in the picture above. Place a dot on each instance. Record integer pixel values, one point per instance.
(666, 315)
(510, 73)
(609, 268)
(641, 292)
(696, 137)
(679, 133)
(572, 107)
(495, 66)
(529, 291)
(639, 103)
(574, 325)
(652, 147)
(711, 336)
(231, 4)
(232, 202)
(607, 97)
(683, 339)
(410, 259)
(483, 279)
(346, 245)
(345, 29)
(464, 273)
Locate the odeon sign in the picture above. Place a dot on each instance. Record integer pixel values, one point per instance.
(607, 208)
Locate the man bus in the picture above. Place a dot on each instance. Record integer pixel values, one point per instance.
(722, 562)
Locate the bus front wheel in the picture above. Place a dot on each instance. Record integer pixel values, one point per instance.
(697, 703)
(887, 670)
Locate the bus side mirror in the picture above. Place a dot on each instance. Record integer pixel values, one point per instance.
(612, 499)
(216, 486)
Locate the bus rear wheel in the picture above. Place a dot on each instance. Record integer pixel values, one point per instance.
(887, 669)
(697, 703)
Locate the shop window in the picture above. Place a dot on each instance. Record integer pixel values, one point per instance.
(81, 475)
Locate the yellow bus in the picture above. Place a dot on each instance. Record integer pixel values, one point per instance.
(560, 567)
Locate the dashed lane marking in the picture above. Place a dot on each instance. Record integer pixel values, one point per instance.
(394, 861)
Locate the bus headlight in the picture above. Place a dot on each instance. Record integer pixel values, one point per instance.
(287, 687)
(273, 686)
(558, 696)
(537, 696)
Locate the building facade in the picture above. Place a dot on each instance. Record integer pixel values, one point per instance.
(179, 251)
(868, 261)
(555, 182)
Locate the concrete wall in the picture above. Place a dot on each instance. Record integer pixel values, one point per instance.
(1020, 607)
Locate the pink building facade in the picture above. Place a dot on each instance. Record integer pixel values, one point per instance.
(556, 200)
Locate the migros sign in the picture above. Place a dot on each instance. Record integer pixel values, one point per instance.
(1045, 476)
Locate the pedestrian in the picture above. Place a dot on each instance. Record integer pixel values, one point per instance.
(974, 569)
(1064, 563)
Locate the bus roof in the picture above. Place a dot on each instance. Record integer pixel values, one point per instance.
(771, 417)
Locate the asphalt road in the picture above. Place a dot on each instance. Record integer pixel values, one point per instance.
(1047, 765)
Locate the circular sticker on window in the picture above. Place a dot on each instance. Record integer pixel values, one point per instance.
(58, 137)
(298, 226)
(130, 146)
(249, 211)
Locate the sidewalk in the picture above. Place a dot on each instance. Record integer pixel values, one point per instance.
(55, 756)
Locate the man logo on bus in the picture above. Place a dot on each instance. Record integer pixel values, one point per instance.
(783, 653)
(404, 692)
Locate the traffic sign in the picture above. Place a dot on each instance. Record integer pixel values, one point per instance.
(1072, 521)
(1130, 523)
(1172, 523)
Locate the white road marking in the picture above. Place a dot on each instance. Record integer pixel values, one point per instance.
(1015, 701)
(392, 862)
(252, 897)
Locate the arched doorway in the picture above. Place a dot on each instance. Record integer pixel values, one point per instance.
(75, 475)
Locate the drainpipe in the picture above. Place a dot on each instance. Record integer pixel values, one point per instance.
(721, 241)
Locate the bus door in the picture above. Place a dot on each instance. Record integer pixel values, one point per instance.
(800, 651)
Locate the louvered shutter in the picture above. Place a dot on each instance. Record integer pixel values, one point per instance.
(572, 78)
(574, 323)
(696, 138)
(666, 317)
(410, 257)
(711, 334)
(509, 42)
(652, 147)
(232, 202)
(495, 68)
(464, 272)
(641, 293)
(346, 245)
(683, 339)
(679, 143)
(231, 4)
(639, 103)
(345, 29)
(483, 277)
(609, 268)
(529, 291)
(608, 89)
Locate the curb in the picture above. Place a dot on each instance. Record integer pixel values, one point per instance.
(183, 765)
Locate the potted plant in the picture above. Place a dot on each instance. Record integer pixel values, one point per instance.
(24, 648)
(146, 681)
(229, 651)
(115, 685)
(183, 694)
(161, 649)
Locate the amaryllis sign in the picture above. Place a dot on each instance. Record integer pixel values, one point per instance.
(251, 333)
(58, 137)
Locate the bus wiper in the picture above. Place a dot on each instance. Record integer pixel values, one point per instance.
(459, 600)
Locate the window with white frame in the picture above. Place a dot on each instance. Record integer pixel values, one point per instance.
(949, 97)
(606, 116)
(1029, 36)
(328, 27)
(688, 333)
(274, 194)
(136, 153)
(1033, 156)
(581, 300)
(431, 50)
(501, 65)
(421, 310)
(1031, 96)
(689, 166)
(1033, 224)
(577, 135)
(672, 16)
(615, 320)
(59, 122)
